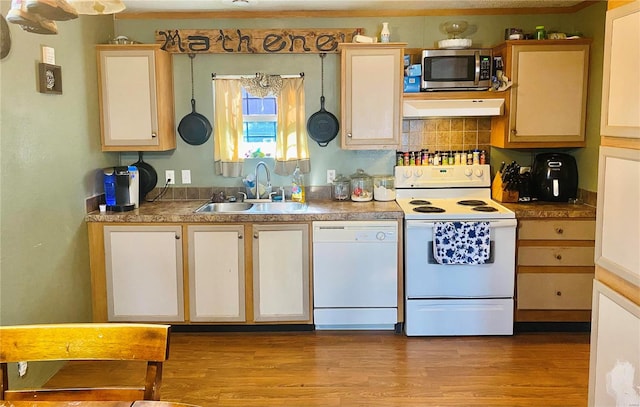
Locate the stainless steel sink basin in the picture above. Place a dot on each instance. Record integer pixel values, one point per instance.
(224, 207)
(279, 207)
(262, 207)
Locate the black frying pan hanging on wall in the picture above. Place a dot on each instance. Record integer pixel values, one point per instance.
(194, 128)
(322, 126)
(148, 177)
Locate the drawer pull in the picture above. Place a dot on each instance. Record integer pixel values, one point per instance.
(559, 231)
(559, 293)
(558, 257)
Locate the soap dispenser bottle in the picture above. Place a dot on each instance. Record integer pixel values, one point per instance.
(297, 186)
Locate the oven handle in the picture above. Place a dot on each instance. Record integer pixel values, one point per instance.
(422, 224)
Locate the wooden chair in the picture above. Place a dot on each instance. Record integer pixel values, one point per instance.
(86, 341)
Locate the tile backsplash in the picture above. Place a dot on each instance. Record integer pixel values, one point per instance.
(446, 134)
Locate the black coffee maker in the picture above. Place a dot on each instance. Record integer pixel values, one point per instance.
(554, 177)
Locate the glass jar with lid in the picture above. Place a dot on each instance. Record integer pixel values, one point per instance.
(383, 188)
(361, 186)
(340, 188)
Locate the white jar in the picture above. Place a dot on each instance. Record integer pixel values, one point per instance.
(383, 188)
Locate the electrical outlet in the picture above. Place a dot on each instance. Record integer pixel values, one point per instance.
(331, 176)
(186, 176)
(170, 177)
(22, 368)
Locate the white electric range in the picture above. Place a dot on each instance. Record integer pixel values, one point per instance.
(468, 298)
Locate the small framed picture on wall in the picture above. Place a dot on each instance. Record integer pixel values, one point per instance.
(50, 78)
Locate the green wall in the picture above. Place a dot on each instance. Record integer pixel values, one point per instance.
(49, 150)
(418, 32)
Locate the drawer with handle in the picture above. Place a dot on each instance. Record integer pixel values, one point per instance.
(557, 230)
(555, 256)
(554, 291)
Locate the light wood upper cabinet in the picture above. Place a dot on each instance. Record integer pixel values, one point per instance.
(371, 94)
(620, 79)
(546, 106)
(136, 98)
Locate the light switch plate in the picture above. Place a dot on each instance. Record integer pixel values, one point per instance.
(186, 176)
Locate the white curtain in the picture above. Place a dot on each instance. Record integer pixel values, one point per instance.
(291, 134)
(228, 127)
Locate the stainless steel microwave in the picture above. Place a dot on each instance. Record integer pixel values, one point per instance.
(456, 69)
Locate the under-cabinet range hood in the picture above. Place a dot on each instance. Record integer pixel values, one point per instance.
(452, 108)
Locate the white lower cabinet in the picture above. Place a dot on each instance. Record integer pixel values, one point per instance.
(281, 272)
(615, 350)
(143, 267)
(216, 273)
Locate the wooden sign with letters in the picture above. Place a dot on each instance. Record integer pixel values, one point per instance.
(249, 41)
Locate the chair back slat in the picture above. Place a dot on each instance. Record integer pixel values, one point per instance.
(87, 342)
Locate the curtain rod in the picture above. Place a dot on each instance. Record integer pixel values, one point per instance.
(215, 76)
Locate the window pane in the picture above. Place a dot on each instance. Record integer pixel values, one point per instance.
(259, 127)
(260, 131)
(261, 106)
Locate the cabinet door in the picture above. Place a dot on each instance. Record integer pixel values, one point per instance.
(371, 90)
(618, 216)
(136, 98)
(615, 349)
(549, 97)
(281, 272)
(216, 273)
(620, 79)
(144, 273)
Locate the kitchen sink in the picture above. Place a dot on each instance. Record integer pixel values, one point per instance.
(224, 207)
(279, 207)
(262, 207)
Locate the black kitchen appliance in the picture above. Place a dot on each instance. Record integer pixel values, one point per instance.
(121, 188)
(554, 177)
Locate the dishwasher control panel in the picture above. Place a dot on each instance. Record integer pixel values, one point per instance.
(355, 231)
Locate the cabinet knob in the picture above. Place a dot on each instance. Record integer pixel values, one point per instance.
(559, 293)
(255, 235)
(514, 132)
(177, 236)
(559, 231)
(349, 135)
(558, 257)
(240, 236)
(154, 135)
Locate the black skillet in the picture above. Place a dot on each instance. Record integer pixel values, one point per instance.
(322, 126)
(148, 177)
(194, 128)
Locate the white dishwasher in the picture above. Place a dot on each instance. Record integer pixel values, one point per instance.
(355, 274)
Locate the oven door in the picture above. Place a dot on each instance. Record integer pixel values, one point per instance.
(425, 278)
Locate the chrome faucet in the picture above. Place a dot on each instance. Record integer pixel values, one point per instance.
(268, 185)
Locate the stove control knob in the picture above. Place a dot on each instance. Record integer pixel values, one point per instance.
(468, 172)
(380, 236)
(407, 173)
(479, 172)
(419, 172)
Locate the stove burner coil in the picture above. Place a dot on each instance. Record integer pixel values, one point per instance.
(419, 202)
(472, 202)
(484, 209)
(428, 209)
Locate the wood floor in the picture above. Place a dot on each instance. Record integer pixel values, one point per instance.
(366, 369)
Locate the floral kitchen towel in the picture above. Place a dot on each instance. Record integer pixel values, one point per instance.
(461, 242)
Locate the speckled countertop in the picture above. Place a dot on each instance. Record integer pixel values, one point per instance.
(183, 212)
(526, 210)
